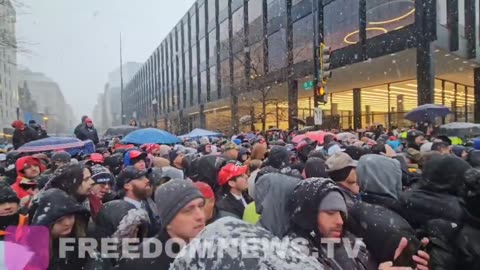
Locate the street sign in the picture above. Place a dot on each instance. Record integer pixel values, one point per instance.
(318, 119)
(307, 85)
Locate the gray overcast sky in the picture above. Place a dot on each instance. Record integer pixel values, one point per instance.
(76, 43)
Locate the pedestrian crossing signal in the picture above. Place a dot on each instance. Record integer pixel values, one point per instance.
(321, 95)
(321, 91)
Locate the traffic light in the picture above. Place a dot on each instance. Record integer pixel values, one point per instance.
(325, 72)
(321, 95)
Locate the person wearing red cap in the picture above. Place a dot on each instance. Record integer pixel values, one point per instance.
(233, 181)
(22, 134)
(210, 209)
(88, 132)
(28, 168)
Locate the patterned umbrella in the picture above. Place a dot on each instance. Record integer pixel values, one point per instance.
(69, 144)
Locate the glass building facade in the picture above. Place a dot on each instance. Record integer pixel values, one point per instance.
(235, 65)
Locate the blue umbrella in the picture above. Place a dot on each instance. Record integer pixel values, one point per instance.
(427, 113)
(198, 132)
(69, 144)
(150, 135)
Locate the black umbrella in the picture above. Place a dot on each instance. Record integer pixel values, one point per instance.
(459, 129)
(299, 121)
(427, 113)
(118, 131)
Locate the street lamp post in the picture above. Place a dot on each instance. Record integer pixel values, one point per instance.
(154, 104)
(45, 120)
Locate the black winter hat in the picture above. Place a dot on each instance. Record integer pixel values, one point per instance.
(67, 178)
(54, 204)
(7, 195)
(114, 163)
(102, 175)
(278, 157)
(61, 156)
(445, 174)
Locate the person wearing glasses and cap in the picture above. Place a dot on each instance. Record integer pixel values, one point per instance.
(134, 187)
(233, 182)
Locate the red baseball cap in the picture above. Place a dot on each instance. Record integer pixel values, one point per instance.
(135, 154)
(96, 158)
(205, 189)
(88, 120)
(230, 171)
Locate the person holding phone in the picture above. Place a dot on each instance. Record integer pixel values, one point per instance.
(318, 214)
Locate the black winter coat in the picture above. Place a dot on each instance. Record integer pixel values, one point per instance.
(454, 246)
(86, 133)
(114, 213)
(159, 263)
(418, 206)
(21, 137)
(228, 205)
(382, 200)
(303, 206)
(341, 261)
(52, 205)
(377, 224)
(41, 133)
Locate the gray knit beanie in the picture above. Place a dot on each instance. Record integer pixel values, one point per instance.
(172, 197)
(333, 201)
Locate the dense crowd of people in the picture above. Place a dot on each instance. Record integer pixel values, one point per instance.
(406, 203)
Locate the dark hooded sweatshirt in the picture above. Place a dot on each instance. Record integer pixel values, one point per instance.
(374, 218)
(380, 181)
(456, 245)
(315, 167)
(303, 206)
(278, 158)
(119, 219)
(272, 194)
(52, 205)
(437, 195)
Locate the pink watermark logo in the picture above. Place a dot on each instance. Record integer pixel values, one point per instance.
(27, 247)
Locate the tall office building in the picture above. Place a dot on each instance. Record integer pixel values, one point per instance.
(227, 59)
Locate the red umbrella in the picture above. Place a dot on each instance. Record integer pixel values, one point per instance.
(318, 136)
(298, 138)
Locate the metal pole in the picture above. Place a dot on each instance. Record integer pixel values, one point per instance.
(317, 39)
(121, 81)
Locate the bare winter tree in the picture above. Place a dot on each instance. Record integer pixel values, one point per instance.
(259, 92)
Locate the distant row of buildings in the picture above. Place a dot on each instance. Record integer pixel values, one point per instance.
(42, 100)
(108, 110)
(24, 94)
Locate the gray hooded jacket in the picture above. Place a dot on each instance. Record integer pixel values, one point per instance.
(272, 194)
(379, 175)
